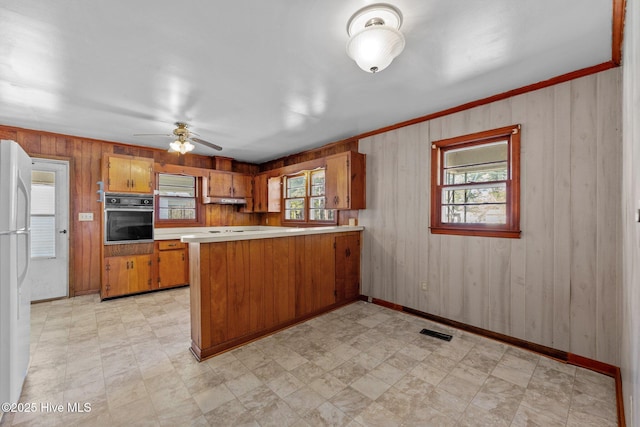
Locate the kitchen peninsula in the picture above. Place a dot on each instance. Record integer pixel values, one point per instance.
(247, 282)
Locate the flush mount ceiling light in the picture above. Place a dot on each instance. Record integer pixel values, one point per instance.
(374, 37)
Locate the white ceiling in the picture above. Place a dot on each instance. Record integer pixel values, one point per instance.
(268, 78)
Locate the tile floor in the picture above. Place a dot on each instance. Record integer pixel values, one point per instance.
(362, 365)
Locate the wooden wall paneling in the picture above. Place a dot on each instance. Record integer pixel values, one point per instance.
(562, 217)
(371, 218)
(91, 174)
(499, 289)
(30, 142)
(476, 251)
(89, 245)
(498, 254)
(284, 279)
(408, 216)
(48, 145)
(538, 194)
(550, 285)
(431, 252)
(257, 293)
(239, 313)
(304, 292)
(214, 267)
(518, 263)
(269, 258)
(8, 134)
(453, 246)
(384, 255)
(608, 226)
(583, 216)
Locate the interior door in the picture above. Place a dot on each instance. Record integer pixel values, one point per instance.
(49, 269)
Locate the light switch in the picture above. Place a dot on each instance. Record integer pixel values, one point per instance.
(85, 216)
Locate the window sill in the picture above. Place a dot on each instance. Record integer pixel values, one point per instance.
(479, 232)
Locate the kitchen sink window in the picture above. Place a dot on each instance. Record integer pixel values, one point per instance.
(304, 198)
(176, 199)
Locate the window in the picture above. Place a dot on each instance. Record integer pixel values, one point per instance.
(304, 199)
(475, 184)
(177, 199)
(43, 214)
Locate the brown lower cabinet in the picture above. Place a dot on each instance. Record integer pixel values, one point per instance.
(127, 274)
(173, 263)
(241, 290)
(143, 267)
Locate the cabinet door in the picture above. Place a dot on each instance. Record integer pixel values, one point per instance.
(116, 277)
(260, 193)
(140, 273)
(275, 194)
(337, 182)
(118, 174)
(347, 266)
(172, 268)
(220, 184)
(345, 181)
(141, 175)
(242, 186)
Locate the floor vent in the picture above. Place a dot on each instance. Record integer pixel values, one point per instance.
(436, 334)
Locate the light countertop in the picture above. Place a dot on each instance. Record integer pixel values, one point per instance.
(224, 234)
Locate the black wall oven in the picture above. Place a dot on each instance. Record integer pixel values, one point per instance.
(128, 218)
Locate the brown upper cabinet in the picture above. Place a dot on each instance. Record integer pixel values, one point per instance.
(260, 193)
(345, 181)
(266, 193)
(228, 184)
(128, 174)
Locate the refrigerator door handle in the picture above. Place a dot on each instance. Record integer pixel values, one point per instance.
(23, 274)
(24, 232)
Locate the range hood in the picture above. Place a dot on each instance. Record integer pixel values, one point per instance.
(225, 200)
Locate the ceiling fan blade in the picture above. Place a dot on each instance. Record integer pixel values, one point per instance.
(207, 143)
(152, 134)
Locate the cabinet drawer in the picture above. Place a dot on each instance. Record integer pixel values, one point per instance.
(167, 245)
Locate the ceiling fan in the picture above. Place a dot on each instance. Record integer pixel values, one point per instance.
(183, 135)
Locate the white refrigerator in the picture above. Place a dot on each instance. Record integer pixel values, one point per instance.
(15, 309)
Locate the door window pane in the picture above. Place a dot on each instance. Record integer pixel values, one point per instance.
(43, 214)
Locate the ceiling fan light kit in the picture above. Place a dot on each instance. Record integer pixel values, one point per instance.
(182, 144)
(181, 147)
(375, 39)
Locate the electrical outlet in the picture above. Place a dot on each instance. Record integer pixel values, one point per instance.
(85, 216)
(424, 286)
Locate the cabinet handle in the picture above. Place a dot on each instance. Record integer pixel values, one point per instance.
(131, 264)
(230, 191)
(133, 184)
(127, 265)
(171, 245)
(183, 256)
(128, 184)
(347, 252)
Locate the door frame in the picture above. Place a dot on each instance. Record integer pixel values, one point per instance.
(72, 224)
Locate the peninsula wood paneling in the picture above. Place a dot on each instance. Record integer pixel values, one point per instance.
(559, 284)
(84, 156)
